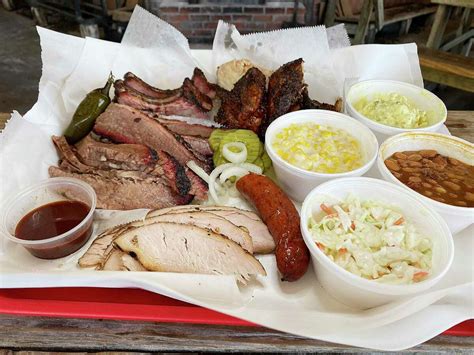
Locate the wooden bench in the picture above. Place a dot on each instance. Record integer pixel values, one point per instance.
(447, 68)
(374, 16)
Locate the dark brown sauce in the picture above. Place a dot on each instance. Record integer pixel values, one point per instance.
(51, 220)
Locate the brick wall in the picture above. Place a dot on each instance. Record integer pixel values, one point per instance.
(198, 21)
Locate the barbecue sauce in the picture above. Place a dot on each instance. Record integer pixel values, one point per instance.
(51, 220)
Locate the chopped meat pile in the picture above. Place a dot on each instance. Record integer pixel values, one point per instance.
(252, 106)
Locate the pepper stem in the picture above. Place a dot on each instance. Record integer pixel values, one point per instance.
(106, 89)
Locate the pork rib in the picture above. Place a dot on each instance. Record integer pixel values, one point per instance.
(170, 105)
(285, 91)
(199, 80)
(309, 103)
(134, 82)
(244, 106)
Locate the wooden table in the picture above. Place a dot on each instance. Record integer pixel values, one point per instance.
(61, 334)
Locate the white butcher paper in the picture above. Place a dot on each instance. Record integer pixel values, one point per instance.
(272, 49)
(73, 66)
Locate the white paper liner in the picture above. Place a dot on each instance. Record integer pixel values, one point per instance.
(272, 49)
(73, 66)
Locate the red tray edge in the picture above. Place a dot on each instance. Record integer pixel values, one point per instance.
(176, 312)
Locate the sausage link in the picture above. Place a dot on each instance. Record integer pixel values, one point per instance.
(283, 222)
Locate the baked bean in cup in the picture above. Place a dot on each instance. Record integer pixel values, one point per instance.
(433, 175)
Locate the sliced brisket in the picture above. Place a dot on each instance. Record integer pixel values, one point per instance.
(198, 144)
(124, 124)
(184, 128)
(115, 156)
(126, 194)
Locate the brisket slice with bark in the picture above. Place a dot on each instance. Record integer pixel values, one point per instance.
(184, 128)
(125, 194)
(123, 159)
(115, 156)
(198, 144)
(244, 106)
(165, 171)
(123, 124)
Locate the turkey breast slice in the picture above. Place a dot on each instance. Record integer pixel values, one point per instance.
(100, 249)
(262, 240)
(172, 247)
(207, 220)
(120, 261)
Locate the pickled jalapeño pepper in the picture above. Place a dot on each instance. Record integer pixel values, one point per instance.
(88, 110)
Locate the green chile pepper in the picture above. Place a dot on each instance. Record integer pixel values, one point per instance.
(88, 110)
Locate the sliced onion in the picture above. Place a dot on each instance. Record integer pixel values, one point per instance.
(198, 170)
(252, 168)
(236, 171)
(212, 181)
(236, 158)
(233, 192)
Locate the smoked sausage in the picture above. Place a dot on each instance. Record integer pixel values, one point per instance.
(283, 222)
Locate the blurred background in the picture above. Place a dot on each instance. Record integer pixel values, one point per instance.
(444, 33)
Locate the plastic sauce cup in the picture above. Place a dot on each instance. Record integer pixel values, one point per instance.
(45, 192)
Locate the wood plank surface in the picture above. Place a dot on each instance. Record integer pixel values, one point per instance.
(462, 3)
(447, 62)
(55, 334)
(92, 335)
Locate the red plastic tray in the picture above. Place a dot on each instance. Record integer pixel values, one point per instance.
(126, 304)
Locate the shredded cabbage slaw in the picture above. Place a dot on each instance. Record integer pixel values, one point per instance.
(373, 241)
